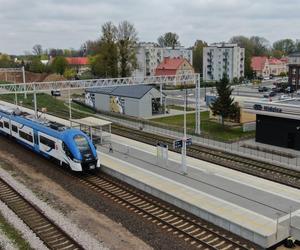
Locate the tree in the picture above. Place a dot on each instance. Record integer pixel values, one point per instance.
(59, 65)
(126, 42)
(36, 65)
(169, 39)
(70, 74)
(260, 45)
(287, 46)
(198, 55)
(277, 53)
(6, 61)
(105, 62)
(244, 42)
(223, 106)
(37, 49)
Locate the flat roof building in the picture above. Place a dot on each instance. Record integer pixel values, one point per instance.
(277, 122)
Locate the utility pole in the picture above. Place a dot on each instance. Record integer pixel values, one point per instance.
(197, 94)
(35, 102)
(183, 149)
(70, 107)
(24, 82)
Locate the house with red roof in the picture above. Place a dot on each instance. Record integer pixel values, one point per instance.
(278, 66)
(264, 66)
(174, 66)
(79, 64)
(260, 65)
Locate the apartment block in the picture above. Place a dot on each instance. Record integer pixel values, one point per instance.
(223, 58)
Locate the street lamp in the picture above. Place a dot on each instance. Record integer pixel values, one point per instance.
(183, 149)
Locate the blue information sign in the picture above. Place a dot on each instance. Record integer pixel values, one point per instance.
(177, 144)
(189, 141)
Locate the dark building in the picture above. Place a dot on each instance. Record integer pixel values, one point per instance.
(294, 69)
(277, 123)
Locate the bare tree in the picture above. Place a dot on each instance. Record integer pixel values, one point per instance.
(37, 49)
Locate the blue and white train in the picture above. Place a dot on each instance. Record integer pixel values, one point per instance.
(70, 147)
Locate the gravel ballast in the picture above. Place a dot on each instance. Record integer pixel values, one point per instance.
(82, 237)
(19, 225)
(5, 242)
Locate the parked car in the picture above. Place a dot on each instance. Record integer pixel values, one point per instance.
(263, 89)
(283, 97)
(55, 92)
(270, 94)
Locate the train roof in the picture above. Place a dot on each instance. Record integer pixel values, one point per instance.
(52, 128)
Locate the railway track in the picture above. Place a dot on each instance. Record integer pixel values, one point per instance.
(52, 236)
(192, 230)
(246, 165)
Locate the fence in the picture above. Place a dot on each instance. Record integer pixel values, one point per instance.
(237, 148)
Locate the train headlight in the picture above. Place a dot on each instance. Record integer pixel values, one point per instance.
(77, 161)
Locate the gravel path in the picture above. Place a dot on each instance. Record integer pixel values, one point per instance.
(82, 237)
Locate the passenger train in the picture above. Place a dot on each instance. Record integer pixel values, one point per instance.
(68, 146)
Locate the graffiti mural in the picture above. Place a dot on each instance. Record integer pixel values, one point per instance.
(90, 99)
(117, 104)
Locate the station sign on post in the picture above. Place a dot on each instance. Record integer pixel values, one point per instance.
(177, 144)
(189, 141)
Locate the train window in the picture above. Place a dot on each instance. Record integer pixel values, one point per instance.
(1, 124)
(25, 136)
(82, 143)
(47, 142)
(14, 128)
(6, 125)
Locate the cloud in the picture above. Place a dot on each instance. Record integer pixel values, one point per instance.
(69, 23)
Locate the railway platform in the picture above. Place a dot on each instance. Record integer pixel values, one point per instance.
(256, 209)
(259, 210)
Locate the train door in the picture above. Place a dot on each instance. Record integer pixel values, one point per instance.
(36, 141)
(6, 125)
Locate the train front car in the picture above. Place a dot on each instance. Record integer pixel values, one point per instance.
(80, 151)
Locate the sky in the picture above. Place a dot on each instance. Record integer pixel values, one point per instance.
(69, 23)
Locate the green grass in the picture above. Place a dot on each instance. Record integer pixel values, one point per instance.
(4, 82)
(53, 105)
(13, 234)
(176, 107)
(209, 128)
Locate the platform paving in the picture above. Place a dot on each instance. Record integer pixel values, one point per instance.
(246, 205)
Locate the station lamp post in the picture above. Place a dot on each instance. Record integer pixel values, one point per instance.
(183, 149)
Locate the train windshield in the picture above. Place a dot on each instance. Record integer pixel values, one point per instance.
(82, 143)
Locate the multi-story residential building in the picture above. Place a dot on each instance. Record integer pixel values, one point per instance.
(223, 58)
(150, 55)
